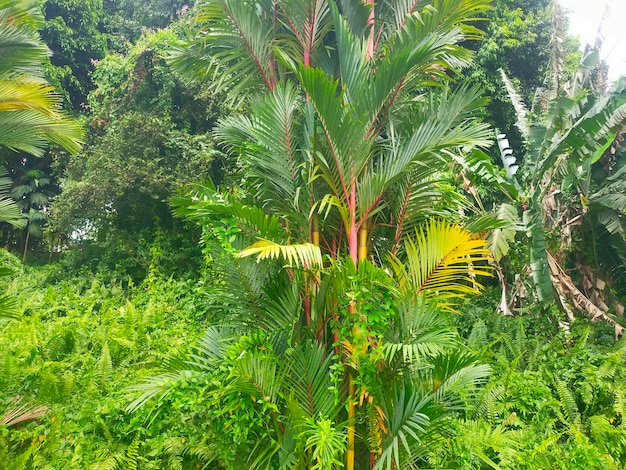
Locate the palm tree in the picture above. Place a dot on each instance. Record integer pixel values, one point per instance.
(369, 131)
(341, 153)
(30, 110)
(31, 116)
(283, 382)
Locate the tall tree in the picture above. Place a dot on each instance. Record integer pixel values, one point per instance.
(147, 134)
(340, 154)
(520, 38)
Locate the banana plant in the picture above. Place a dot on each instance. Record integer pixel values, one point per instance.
(566, 132)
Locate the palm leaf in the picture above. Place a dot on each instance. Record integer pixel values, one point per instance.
(30, 111)
(205, 201)
(156, 387)
(439, 261)
(309, 380)
(408, 414)
(304, 255)
(233, 49)
(23, 413)
(309, 22)
(259, 374)
(270, 150)
(419, 333)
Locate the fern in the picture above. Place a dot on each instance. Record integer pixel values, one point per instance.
(619, 406)
(487, 402)
(110, 462)
(104, 366)
(130, 459)
(173, 449)
(478, 335)
(568, 402)
(612, 364)
(206, 202)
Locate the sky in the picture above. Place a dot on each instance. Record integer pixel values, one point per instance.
(586, 16)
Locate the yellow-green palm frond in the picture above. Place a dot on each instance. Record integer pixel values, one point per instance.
(304, 255)
(31, 115)
(443, 260)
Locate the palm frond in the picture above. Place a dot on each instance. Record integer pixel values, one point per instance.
(309, 23)
(258, 374)
(305, 255)
(234, 48)
(156, 387)
(345, 135)
(309, 381)
(10, 213)
(419, 333)
(281, 304)
(480, 167)
(408, 414)
(23, 413)
(30, 111)
(270, 149)
(206, 201)
(210, 350)
(456, 376)
(440, 261)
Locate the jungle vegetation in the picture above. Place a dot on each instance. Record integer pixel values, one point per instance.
(309, 234)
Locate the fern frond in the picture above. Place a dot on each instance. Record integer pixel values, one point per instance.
(486, 404)
(568, 402)
(104, 366)
(131, 456)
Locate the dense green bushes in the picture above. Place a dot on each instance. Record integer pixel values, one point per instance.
(555, 400)
(75, 347)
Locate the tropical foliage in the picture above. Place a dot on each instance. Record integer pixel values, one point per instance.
(568, 132)
(334, 168)
(266, 254)
(30, 113)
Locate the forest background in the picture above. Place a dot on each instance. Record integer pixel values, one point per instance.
(134, 338)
